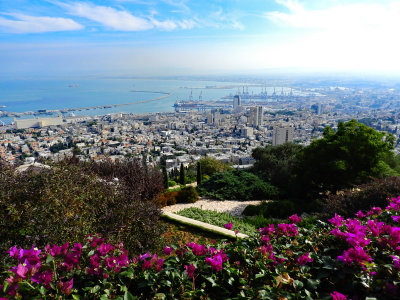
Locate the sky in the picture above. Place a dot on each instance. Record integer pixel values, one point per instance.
(197, 37)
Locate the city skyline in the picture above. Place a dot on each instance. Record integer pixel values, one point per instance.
(171, 37)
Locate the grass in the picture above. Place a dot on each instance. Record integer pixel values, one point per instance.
(219, 219)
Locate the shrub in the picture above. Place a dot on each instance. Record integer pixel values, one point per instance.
(187, 195)
(361, 197)
(167, 198)
(237, 185)
(272, 209)
(172, 183)
(67, 202)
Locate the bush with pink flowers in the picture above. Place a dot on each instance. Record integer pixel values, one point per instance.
(350, 258)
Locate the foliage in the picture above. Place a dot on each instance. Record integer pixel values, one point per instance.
(343, 158)
(345, 259)
(277, 164)
(271, 209)
(171, 183)
(165, 175)
(239, 185)
(210, 165)
(218, 219)
(167, 198)
(199, 174)
(182, 175)
(187, 194)
(361, 197)
(67, 202)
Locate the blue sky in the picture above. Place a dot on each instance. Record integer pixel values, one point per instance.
(178, 37)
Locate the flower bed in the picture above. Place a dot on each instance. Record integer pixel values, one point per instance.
(343, 259)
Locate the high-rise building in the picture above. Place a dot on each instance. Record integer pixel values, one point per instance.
(282, 135)
(256, 116)
(237, 103)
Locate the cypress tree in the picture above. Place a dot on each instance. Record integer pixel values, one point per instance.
(199, 173)
(165, 173)
(182, 175)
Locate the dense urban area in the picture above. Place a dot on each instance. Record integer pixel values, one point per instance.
(229, 131)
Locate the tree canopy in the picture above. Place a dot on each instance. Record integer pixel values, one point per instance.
(350, 155)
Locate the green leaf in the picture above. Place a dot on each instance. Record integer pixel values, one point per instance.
(49, 259)
(313, 283)
(128, 296)
(298, 284)
(91, 253)
(104, 297)
(42, 290)
(128, 274)
(95, 289)
(210, 279)
(76, 297)
(5, 286)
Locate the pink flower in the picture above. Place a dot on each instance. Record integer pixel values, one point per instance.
(396, 262)
(396, 218)
(66, 286)
(336, 220)
(356, 254)
(144, 256)
(215, 262)
(338, 296)
(190, 270)
(228, 226)
(287, 229)
(295, 218)
(305, 258)
(374, 211)
(147, 265)
(159, 264)
(167, 250)
(360, 214)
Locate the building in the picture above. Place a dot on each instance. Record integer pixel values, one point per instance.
(237, 103)
(256, 116)
(282, 135)
(38, 122)
(214, 117)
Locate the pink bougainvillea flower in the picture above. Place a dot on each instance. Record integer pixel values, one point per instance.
(338, 296)
(396, 261)
(295, 218)
(305, 258)
(374, 211)
(144, 256)
(359, 214)
(287, 229)
(356, 254)
(190, 270)
(228, 226)
(215, 262)
(66, 286)
(167, 250)
(147, 264)
(336, 220)
(43, 278)
(396, 218)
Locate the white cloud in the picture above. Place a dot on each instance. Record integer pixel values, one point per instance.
(357, 36)
(108, 16)
(32, 24)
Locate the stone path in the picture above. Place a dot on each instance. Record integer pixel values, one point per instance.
(232, 207)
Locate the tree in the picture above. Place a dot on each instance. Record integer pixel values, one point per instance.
(210, 165)
(165, 174)
(351, 155)
(199, 175)
(276, 164)
(182, 175)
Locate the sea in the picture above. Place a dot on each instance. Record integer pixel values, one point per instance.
(31, 95)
